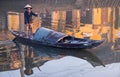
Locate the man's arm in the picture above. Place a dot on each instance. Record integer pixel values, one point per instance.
(34, 14)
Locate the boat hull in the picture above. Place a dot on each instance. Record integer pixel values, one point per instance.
(36, 43)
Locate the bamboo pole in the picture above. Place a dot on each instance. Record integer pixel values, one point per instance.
(21, 48)
(112, 19)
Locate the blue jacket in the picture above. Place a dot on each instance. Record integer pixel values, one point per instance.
(28, 17)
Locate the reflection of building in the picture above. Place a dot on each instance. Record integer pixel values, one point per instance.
(98, 21)
(58, 20)
(15, 21)
(55, 19)
(76, 18)
(62, 19)
(86, 16)
(73, 18)
(9, 57)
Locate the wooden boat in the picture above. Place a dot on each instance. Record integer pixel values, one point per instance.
(48, 37)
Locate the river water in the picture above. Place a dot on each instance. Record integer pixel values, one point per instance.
(18, 56)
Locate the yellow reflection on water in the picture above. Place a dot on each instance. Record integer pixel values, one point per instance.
(101, 25)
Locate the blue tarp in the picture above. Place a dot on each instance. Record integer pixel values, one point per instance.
(48, 35)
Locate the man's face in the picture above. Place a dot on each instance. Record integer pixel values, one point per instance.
(29, 9)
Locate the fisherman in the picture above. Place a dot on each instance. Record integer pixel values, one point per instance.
(28, 19)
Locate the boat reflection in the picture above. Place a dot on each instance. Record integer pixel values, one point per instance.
(17, 56)
(35, 57)
(56, 53)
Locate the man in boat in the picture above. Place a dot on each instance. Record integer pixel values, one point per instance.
(28, 19)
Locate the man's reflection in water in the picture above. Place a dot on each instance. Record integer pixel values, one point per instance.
(35, 57)
(28, 60)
